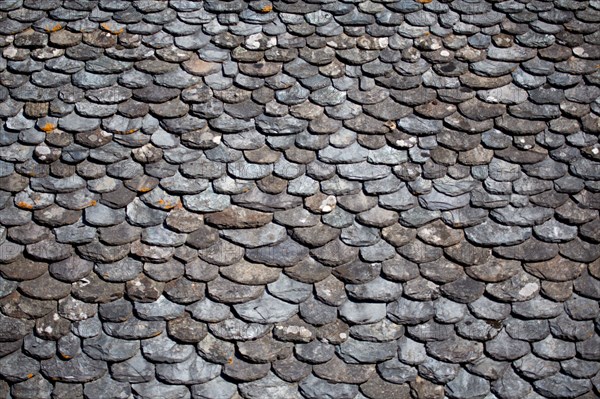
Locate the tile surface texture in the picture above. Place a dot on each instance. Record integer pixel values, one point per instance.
(299, 199)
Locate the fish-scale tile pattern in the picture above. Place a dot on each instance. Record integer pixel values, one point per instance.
(299, 199)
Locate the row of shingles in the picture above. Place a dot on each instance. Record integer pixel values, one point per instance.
(69, 342)
(332, 364)
(14, 305)
(539, 348)
(224, 289)
(137, 368)
(92, 294)
(341, 368)
(559, 308)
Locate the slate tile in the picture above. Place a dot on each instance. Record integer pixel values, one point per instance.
(557, 291)
(264, 350)
(420, 289)
(579, 250)
(549, 386)
(45, 287)
(291, 369)
(244, 272)
(466, 383)
(438, 372)
(271, 384)
(17, 305)
(313, 387)
(36, 386)
(589, 231)
(308, 271)
(531, 366)
(509, 381)
(489, 368)
(458, 121)
(271, 310)
(78, 369)
(241, 371)
(578, 368)
(135, 370)
(230, 292)
(563, 327)
(154, 387)
(587, 349)
(215, 387)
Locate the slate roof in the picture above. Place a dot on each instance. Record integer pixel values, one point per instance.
(323, 199)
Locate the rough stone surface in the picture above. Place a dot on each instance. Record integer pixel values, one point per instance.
(288, 199)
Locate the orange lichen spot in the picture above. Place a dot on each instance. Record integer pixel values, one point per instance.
(166, 204)
(54, 28)
(179, 205)
(144, 189)
(230, 360)
(24, 205)
(423, 1)
(29, 375)
(267, 8)
(107, 28)
(48, 127)
(170, 206)
(390, 124)
(126, 131)
(93, 203)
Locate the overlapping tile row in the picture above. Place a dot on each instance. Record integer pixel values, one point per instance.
(289, 199)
